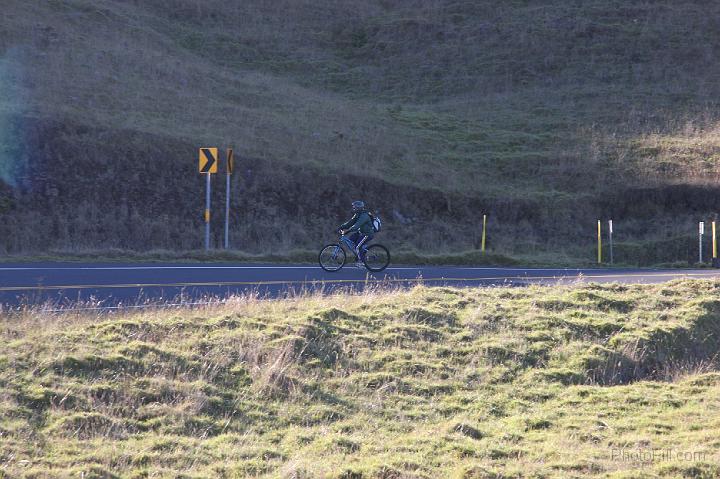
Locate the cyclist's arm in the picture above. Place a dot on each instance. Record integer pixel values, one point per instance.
(361, 221)
(347, 224)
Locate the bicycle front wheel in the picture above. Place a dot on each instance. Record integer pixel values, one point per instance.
(332, 257)
(377, 258)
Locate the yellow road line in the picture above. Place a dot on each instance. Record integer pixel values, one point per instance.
(341, 281)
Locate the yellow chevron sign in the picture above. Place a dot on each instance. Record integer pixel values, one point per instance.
(208, 160)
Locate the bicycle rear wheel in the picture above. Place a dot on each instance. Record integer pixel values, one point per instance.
(332, 257)
(377, 258)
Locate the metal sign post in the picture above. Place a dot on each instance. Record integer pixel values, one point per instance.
(207, 165)
(227, 196)
(207, 213)
(610, 233)
(701, 232)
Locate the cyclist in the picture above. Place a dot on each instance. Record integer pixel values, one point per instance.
(359, 227)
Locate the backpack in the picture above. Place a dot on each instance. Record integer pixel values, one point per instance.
(376, 222)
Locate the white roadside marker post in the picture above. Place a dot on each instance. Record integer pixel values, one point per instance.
(610, 232)
(599, 242)
(701, 232)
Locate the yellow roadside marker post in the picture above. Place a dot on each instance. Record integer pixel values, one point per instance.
(599, 237)
(482, 246)
(207, 165)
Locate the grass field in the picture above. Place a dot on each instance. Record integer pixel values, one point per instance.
(574, 381)
(545, 115)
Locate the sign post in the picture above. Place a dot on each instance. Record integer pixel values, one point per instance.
(482, 246)
(701, 232)
(230, 161)
(208, 165)
(207, 213)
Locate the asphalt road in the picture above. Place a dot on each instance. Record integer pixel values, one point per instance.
(108, 285)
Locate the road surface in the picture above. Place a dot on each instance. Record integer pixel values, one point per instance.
(112, 284)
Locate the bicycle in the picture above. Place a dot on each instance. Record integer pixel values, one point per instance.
(332, 257)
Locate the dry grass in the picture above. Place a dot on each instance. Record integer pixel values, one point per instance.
(431, 382)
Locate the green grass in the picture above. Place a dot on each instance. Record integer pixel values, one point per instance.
(402, 257)
(407, 257)
(420, 383)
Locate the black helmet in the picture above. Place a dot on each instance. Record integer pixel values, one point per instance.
(358, 205)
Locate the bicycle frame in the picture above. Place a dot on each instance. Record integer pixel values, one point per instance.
(350, 245)
(346, 241)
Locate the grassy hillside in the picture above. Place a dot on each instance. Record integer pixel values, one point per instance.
(546, 115)
(431, 382)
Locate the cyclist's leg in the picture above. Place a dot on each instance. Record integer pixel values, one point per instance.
(362, 246)
(355, 238)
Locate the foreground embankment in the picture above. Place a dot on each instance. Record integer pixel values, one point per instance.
(581, 381)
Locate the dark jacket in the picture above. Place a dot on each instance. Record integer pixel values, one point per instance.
(361, 222)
